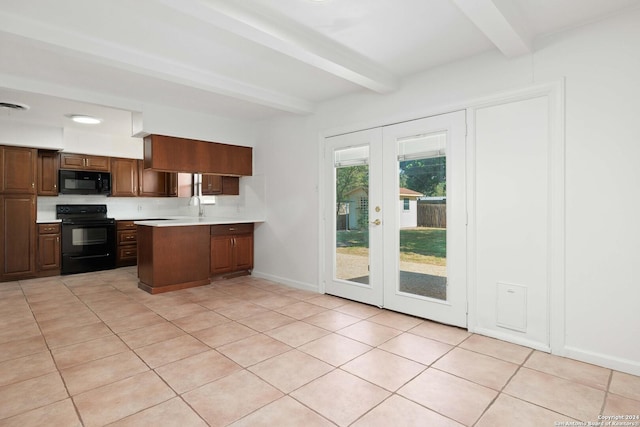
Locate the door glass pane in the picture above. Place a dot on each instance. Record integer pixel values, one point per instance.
(352, 214)
(422, 206)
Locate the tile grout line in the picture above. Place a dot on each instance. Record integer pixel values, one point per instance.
(606, 392)
(188, 299)
(64, 383)
(504, 386)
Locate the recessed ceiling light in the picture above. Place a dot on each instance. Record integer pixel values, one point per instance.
(84, 119)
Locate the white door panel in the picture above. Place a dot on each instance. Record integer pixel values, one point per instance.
(414, 284)
(376, 250)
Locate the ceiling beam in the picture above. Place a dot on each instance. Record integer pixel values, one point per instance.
(501, 23)
(126, 58)
(291, 39)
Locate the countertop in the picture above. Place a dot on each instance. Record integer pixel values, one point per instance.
(187, 221)
(173, 221)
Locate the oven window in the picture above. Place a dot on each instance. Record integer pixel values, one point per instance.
(79, 184)
(88, 236)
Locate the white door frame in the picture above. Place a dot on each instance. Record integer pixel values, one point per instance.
(555, 91)
(370, 293)
(453, 310)
(384, 249)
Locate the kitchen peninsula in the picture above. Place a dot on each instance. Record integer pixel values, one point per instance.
(183, 253)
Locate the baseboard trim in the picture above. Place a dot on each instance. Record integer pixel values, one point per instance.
(285, 281)
(512, 339)
(623, 365)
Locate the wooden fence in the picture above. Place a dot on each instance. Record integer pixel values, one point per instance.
(432, 214)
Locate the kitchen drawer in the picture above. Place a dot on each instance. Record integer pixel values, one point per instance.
(226, 229)
(127, 237)
(127, 253)
(52, 228)
(125, 225)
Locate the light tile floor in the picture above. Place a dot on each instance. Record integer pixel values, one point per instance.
(92, 350)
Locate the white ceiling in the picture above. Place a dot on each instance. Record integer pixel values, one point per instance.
(250, 59)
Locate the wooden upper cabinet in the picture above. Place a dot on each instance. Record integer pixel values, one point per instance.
(171, 154)
(84, 162)
(211, 185)
(180, 184)
(18, 170)
(152, 183)
(124, 177)
(230, 186)
(224, 185)
(48, 165)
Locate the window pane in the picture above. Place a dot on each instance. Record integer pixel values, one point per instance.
(352, 218)
(423, 232)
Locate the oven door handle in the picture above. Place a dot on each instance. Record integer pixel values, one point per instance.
(90, 256)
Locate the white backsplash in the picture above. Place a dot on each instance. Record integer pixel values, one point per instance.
(250, 202)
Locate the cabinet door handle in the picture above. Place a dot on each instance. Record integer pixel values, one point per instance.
(57, 239)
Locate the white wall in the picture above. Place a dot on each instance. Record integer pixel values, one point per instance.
(286, 245)
(602, 176)
(24, 135)
(600, 63)
(161, 120)
(85, 142)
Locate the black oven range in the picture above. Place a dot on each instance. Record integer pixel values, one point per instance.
(88, 238)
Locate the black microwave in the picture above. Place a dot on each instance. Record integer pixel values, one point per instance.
(84, 182)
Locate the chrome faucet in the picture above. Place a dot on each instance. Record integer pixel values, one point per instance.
(196, 200)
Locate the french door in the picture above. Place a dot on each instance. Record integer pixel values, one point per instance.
(395, 217)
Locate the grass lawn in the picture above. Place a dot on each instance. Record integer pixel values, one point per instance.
(422, 245)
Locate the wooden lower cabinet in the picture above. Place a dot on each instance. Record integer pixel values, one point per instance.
(127, 238)
(18, 231)
(171, 258)
(48, 249)
(231, 248)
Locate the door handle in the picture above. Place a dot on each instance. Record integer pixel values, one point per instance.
(376, 222)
